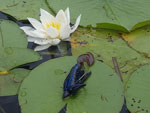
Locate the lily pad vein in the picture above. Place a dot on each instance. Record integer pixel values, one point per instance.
(112, 12)
(1, 37)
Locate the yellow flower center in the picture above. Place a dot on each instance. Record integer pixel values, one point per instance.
(54, 25)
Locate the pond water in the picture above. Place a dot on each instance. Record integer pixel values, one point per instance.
(9, 104)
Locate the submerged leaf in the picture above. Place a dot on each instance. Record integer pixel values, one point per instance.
(42, 90)
(10, 83)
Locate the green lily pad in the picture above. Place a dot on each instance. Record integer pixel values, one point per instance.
(21, 9)
(139, 40)
(10, 83)
(11, 35)
(42, 90)
(124, 15)
(138, 91)
(13, 46)
(106, 44)
(13, 57)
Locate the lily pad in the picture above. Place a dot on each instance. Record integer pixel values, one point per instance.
(138, 91)
(124, 15)
(139, 40)
(42, 90)
(11, 35)
(106, 44)
(13, 57)
(10, 83)
(21, 9)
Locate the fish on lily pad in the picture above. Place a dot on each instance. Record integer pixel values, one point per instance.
(51, 30)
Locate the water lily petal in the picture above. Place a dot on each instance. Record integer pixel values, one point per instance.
(32, 32)
(55, 42)
(67, 13)
(31, 39)
(52, 32)
(65, 32)
(42, 41)
(39, 41)
(27, 30)
(73, 28)
(46, 17)
(38, 34)
(61, 17)
(39, 48)
(36, 24)
(35, 40)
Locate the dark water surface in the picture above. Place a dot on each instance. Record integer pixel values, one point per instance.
(9, 104)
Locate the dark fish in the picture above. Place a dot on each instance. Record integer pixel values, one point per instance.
(74, 80)
(64, 109)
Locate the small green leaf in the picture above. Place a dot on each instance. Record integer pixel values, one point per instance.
(138, 91)
(13, 57)
(42, 90)
(10, 83)
(11, 35)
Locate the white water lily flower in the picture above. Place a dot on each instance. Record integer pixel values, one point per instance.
(51, 30)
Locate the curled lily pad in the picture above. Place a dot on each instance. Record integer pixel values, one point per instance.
(138, 91)
(10, 83)
(13, 57)
(42, 90)
(11, 35)
(139, 40)
(121, 15)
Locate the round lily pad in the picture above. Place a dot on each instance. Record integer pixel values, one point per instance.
(138, 91)
(11, 35)
(111, 14)
(42, 90)
(10, 83)
(13, 46)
